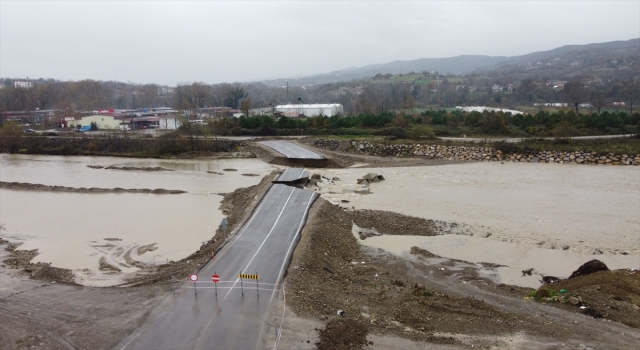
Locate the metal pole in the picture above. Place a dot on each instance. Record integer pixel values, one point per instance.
(215, 273)
(241, 287)
(257, 290)
(194, 288)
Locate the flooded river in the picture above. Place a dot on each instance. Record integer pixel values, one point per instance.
(80, 230)
(544, 216)
(549, 217)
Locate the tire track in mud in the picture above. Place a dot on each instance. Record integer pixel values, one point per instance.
(117, 257)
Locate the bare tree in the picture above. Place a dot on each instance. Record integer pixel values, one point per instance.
(575, 92)
(598, 97)
(631, 91)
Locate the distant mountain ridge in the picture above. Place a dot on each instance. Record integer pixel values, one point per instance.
(456, 65)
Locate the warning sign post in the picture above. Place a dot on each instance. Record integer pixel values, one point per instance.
(215, 278)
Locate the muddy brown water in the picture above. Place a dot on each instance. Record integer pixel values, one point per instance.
(77, 230)
(517, 214)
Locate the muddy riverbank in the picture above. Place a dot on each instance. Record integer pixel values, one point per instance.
(424, 300)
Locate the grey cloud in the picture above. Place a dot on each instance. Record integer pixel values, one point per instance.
(170, 42)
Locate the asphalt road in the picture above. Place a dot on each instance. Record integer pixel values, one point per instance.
(232, 320)
(291, 150)
(292, 174)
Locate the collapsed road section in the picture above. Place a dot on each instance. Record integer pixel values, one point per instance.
(296, 177)
(219, 308)
(294, 155)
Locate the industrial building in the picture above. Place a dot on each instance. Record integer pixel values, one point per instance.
(309, 110)
(103, 122)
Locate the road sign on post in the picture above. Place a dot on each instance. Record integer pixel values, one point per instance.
(215, 278)
(194, 278)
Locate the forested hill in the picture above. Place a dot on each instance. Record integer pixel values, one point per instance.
(583, 54)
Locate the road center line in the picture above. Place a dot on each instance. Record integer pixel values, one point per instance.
(264, 240)
(244, 227)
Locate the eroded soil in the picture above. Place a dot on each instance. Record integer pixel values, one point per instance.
(421, 297)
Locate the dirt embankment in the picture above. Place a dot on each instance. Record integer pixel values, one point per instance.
(23, 186)
(237, 205)
(20, 260)
(427, 298)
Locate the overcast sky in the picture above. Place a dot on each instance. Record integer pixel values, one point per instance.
(222, 41)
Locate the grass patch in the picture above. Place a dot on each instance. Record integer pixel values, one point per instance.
(547, 295)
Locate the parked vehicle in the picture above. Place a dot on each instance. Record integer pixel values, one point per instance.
(29, 130)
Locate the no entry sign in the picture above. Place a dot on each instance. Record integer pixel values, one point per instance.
(215, 278)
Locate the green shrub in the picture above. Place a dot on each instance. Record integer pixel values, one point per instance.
(418, 132)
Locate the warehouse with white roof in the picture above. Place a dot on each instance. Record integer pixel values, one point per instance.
(310, 110)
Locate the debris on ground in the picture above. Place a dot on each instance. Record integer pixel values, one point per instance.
(527, 272)
(369, 178)
(614, 295)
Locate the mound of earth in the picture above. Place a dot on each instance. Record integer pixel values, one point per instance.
(614, 295)
(591, 266)
(390, 223)
(341, 335)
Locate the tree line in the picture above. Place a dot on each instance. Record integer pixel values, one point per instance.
(542, 123)
(370, 98)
